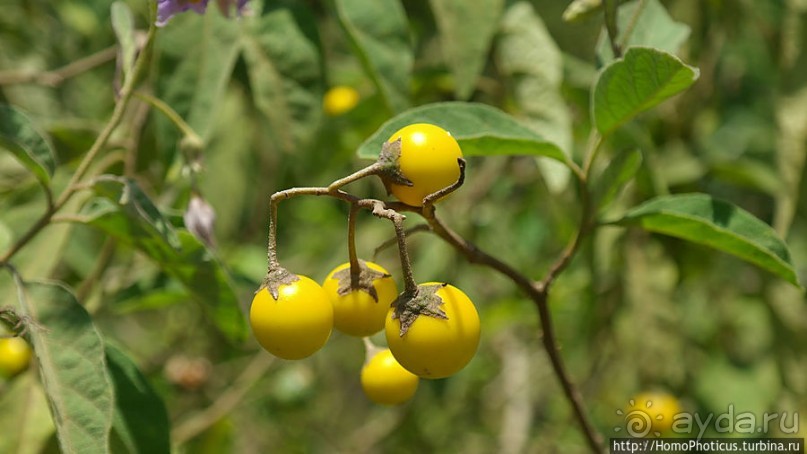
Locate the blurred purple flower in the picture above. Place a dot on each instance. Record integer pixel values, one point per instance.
(166, 9)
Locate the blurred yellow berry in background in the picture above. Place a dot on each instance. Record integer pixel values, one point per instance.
(652, 413)
(15, 354)
(340, 99)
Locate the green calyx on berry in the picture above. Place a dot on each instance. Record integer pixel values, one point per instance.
(390, 172)
(275, 278)
(423, 301)
(363, 281)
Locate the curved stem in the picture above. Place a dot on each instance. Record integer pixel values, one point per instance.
(539, 294)
(92, 153)
(372, 169)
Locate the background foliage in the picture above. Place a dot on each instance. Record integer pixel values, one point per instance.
(156, 317)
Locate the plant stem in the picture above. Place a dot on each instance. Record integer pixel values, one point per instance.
(56, 77)
(610, 10)
(92, 153)
(410, 286)
(372, 169)
(539, 294)
(355, 269)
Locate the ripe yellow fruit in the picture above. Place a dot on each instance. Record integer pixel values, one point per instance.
(15, 354)
(386, 382)
(435, 347)
(357, 313)
(297, 324)
(339, 100)
(428, 159)
(658, 409)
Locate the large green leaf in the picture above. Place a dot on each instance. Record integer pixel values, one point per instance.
(204, 50)
(70, 355)
(123, 24)
(466, 29)
(379, 32)
(481, 130)
(528, 55)
(141, 420)
(620, 170)
(124, 212)
(285, 72)
(19, 136)
(644, 23)
(701, 219)
(25, 418)
(642, 79)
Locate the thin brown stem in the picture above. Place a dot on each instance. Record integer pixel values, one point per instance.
(539, 294)
(394, 241)
(372, 169)
(100, 143)
(355, 269)
(56, 77)
(410, 286)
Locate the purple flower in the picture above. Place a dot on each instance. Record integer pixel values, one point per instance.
(166, 9)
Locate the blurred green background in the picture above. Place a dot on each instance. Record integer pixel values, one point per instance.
(634, 312)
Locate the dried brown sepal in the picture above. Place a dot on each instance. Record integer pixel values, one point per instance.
(364, 280)
(408, 307)
(390, 170)
(275, 278)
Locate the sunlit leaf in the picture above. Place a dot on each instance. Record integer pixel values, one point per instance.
(141, 420)
(481, 130)
(205, 51)
(642, 79)
(285, 72)
(379, 32)
(70, 355)
(528, 55)
(123, 24)
(19, 136)
(701, 219)
(466, 29)
(645, 23)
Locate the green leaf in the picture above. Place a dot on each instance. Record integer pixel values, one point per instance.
(151, 226)
(70, 355)
(620, 170)
(141, 420)
(527, 54)
(466, 29)
(791, 156)
(19, 136)
(481, 130)
(204, 51)
(641, 80)
(285, 73)
(123, 24)
(25, 418)
(379, 32)
(646, 24)
(127, 214)
(718, 224)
